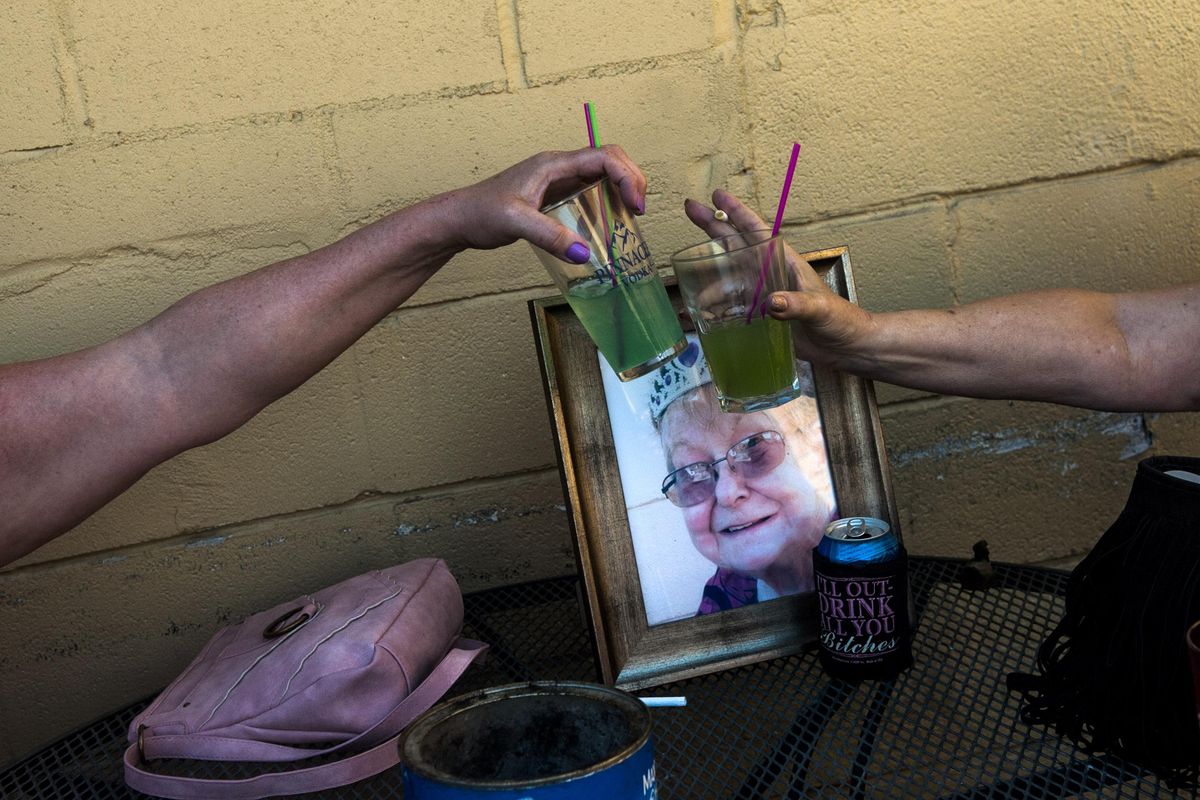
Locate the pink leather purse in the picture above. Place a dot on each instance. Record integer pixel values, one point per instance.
(346, 668)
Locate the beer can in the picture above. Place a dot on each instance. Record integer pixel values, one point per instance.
(861, 571)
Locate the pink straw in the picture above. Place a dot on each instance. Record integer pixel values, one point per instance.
(783, 196)
(591, 129)
(587, 118)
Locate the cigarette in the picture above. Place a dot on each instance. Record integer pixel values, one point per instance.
(664, 702)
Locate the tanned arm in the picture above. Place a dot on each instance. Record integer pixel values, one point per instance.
(1136, 351)
(78, 429)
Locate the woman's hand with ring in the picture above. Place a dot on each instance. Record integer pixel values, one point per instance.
(828, 325)
(505, 207)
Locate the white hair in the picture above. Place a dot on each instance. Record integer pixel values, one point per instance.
(799, 421)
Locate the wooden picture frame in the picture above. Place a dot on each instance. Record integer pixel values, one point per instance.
(631, 653)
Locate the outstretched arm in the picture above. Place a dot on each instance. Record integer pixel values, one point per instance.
(1136, 351)
(77, 430)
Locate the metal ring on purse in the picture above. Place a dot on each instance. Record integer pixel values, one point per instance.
(277, 628)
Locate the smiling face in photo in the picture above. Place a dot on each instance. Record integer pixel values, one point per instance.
(762, 526)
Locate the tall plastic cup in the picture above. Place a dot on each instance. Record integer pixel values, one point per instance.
(750, 355)
(617, 295)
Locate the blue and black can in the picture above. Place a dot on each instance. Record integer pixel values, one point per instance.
(861, 571)
(532, 741)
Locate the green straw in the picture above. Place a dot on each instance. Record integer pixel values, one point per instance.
(589, 116)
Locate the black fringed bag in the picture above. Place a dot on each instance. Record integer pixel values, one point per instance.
(1114, 673)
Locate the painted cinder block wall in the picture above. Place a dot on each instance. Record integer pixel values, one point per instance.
(961, 149)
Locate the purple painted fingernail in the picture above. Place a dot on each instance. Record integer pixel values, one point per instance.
(641, 205)
(578, 253)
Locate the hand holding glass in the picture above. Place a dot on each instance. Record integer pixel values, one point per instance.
(750, 354)
(617, 294)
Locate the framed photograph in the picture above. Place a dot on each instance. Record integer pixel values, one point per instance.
(678, 584)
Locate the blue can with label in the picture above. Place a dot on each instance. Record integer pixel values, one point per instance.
(861, 572)
(541, 741)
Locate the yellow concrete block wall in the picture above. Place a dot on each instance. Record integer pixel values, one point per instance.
(961, 149)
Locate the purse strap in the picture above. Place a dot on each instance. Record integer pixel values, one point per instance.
(309, 779)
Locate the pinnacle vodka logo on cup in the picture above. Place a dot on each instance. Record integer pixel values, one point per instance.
(629, 256)
(617, 294)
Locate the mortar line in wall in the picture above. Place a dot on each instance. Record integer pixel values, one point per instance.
(158, 248)
(509, 20)
(900, 203)
(549, 289)
(66, 263)
(397, 102)
(30, 153)
(956, 268)
(737, 42)
(617, 68)
(67, 65)
(402, 101)
(116, 138)
(183, 538)
(332, 153)
(767, 201)
(927, 403)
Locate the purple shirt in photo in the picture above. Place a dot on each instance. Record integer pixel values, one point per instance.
(727, 589)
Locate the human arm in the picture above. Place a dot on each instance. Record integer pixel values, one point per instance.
(78, 429)
(1112, 351)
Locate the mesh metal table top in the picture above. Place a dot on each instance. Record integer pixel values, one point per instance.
(947, 728)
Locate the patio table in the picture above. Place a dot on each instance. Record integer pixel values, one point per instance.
(946, 728)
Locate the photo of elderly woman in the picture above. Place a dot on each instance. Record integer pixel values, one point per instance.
(724, 509)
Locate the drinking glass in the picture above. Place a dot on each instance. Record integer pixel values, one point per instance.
(617, 295)
(725, 283)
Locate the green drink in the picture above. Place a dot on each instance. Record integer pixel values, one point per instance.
(752, 364)
(616, 292)
(631, 323)
(726, 282)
